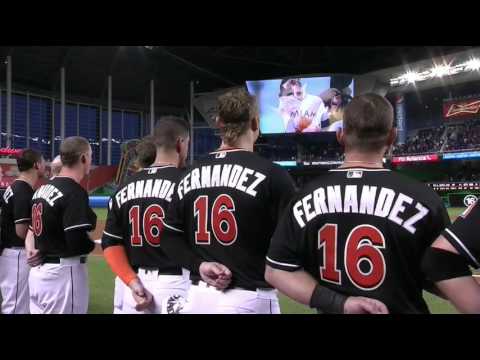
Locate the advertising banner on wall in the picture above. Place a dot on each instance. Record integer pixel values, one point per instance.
(459, 109)
(415, 158)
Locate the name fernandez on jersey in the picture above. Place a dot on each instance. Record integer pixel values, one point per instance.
(370, 200)
(222, 175)
(151, 188)
(49, 193)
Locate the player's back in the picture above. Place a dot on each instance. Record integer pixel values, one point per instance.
(229, 204)
(136, 212)
(15, 205)
(364, 232)
(59, 206)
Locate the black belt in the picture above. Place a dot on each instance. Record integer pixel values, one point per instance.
(56, 260)
(159, 271)
(248, 288)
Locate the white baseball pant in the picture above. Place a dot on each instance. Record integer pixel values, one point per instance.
(204, 299)
(14, 272)
(59, 288)
(118, 294)
(160, 286)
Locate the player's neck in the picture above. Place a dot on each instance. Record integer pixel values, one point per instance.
(367, 160)
(29, 177)
(76, 174)
(241, 143)
(164, 159)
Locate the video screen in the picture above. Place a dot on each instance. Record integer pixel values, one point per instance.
(302, 105)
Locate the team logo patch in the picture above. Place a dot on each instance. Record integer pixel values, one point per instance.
(354, 174)
(175, 304)
(220, 155)
(469, 200)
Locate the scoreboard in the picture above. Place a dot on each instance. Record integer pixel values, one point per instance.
(457, 194)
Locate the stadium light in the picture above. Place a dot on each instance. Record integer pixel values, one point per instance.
(437, 71)
(473, 64)
(440, 71)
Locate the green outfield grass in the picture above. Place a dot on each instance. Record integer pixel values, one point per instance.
(102, 282)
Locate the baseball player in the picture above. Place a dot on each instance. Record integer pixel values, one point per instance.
(15, 218)
(301, 112)
(223, 215)
(146, 154)
(132, 240)
(34, 258)
(447, 261)
(61, 218)
(360, 231)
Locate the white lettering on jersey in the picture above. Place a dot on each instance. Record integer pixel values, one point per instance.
(422, 212)
(389, 204)
(49, 193)
(367, 200)
(7, 194)
(145, 189)
(226, 175)
(350, 201)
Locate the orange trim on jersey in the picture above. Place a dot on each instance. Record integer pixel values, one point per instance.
(116, 258)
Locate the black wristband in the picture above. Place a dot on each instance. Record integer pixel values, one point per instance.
(328, 301)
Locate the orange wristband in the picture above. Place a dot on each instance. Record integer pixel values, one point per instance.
(117, 260)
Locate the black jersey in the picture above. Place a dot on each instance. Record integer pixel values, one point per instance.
(135, 216)
(16, 206)
(462, 234)
(227, 205)
(59, 206)
(362, 232)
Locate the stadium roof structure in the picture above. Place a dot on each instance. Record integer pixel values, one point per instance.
(173, 67)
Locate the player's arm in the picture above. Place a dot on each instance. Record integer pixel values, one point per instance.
(439, 221)
(77, 222)
(116, 257)
(22, 211)
(447, 262)
(450, 271)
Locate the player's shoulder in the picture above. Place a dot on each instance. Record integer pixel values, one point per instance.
(416, 189)
(67, 185)
(20, 186)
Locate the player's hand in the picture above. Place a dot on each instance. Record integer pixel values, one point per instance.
(34, 258)
(363, 305)
(303, 124)
(142, 296)
(215, 274)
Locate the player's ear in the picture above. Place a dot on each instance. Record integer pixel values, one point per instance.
(392, 136)
(178, 145)
(341, 137)
(255, 124)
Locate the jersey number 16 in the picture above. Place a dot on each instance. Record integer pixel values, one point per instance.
(363, 245)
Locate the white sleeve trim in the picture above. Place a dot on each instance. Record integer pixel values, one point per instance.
(172, 228)
(20, 220)
(459, 242)
(283, 264)
(77, 226)
(113, 236)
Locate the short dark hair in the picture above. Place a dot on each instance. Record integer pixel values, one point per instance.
(236, 109)
(146, 151)
(367, 121)
(27, 159)
(167, 130)
(72, 148)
